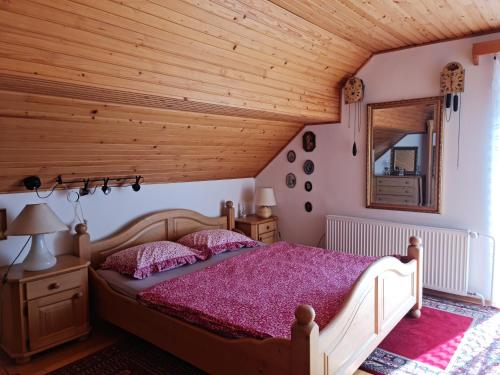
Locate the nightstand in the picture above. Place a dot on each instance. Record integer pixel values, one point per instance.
(258, 229)
(42, 309)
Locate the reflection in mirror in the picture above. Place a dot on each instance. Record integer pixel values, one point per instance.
(404, 151)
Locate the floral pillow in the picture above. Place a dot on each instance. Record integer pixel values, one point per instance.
(142, 261)
(215, 241)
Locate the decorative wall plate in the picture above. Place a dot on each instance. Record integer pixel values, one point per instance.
(308, 206)
(308, 167)
(309, 141)
(291, 180)
(290, 156)
(308, 186)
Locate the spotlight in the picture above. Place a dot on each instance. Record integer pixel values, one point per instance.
(105, 188)
(136, 186)
(32, 182)
(85, 189)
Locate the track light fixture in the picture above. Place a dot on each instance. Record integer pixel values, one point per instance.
(136, 186)
(105, 188)
(85, 190)
(34, 183)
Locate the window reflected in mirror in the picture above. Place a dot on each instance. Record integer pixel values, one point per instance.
(404, 155)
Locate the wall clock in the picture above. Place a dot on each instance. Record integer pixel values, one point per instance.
(308, 206)
(353, 90)
(308, 186)
(309, 141)
(308, 167)
(452, 78)
(290, 156)
(291, 180)
(353, 95)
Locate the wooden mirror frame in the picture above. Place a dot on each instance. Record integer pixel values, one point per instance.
(438, 124)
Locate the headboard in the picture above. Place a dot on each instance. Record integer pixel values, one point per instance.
(158, 226)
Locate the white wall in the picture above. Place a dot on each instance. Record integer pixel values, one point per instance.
(339, 178)
(106, 214)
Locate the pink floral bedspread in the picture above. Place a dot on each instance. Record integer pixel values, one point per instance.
(255, 294)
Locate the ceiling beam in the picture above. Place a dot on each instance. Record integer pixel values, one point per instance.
(484, 48)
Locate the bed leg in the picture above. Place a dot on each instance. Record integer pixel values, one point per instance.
(415, 251)
(305, 340)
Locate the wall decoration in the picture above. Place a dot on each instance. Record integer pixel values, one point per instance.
(354, 90)
(290, 156)
(308, 167)
(308, 206)
(309, 141)
(452, 87)
(291, 180)
(308, 186)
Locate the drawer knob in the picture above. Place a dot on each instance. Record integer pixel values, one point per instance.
(78, 295)
(54, 286)
(267, 227)
(260, 238)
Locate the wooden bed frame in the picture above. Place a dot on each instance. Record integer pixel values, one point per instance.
(383, 295)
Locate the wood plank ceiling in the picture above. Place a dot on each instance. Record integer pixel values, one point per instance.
(381, 25)
(87, 82)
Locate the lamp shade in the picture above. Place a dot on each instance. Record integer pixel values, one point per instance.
(265, 197)
(36, 219)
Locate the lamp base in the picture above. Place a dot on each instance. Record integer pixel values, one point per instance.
(264, 212)
(39, 258)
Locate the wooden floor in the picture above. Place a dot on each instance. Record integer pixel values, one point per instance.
(102, 335)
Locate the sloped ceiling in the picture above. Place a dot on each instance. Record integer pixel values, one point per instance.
(252, 71)
(380, 25)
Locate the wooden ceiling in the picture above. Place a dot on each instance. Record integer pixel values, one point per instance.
(269, 66)
(380, 25)
(247, 57)
(48, 136)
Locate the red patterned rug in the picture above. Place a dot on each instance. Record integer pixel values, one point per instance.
(450, 338)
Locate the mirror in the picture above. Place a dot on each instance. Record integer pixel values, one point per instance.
(404, 155)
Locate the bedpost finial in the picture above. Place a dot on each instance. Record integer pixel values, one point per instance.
(415, 241)
(229, 204)
(304, 314)
(81, 228)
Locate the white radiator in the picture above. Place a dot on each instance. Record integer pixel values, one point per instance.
(446, 251)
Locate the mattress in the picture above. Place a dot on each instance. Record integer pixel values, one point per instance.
(131, 287)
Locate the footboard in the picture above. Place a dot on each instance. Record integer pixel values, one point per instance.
(385, 293)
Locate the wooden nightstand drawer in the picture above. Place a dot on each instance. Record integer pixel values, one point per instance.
(267, 238)
(267, 227)
(51, 285)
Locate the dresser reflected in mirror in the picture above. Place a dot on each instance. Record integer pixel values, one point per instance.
(404, 155)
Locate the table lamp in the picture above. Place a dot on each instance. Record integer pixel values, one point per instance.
(36, 220)
(264, 199)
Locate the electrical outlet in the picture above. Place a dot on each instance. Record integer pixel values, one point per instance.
(3, 224)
